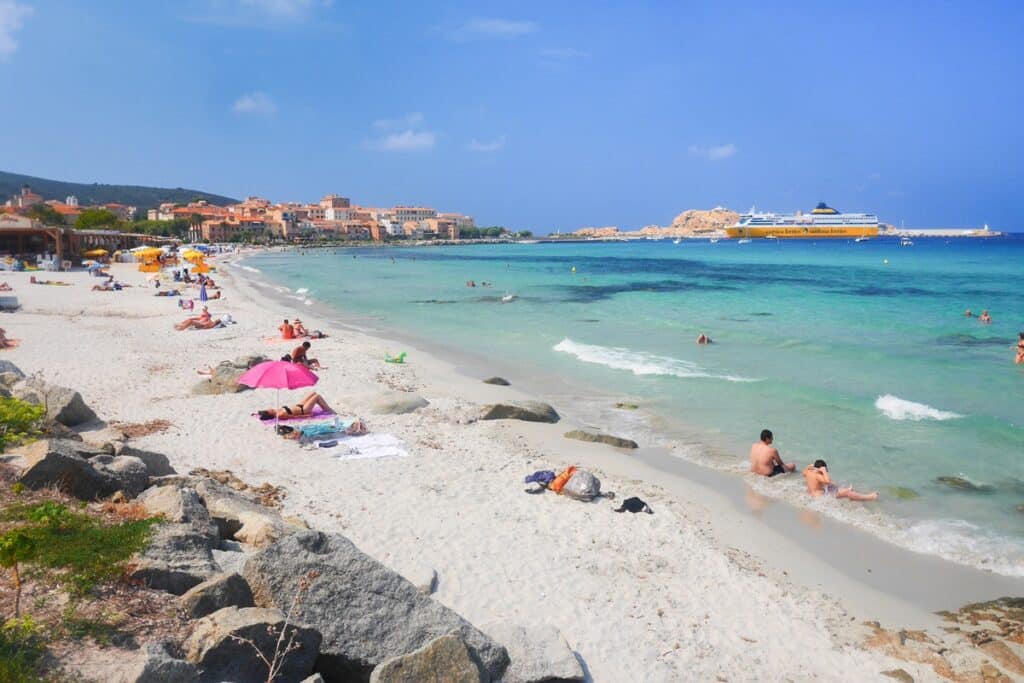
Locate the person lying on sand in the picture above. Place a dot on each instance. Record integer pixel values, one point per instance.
(298, 355)
(357, 428)
(196, 321)
(168, 292)
(304, 408)
(32, 279)
(820, 484)
(108, 287)
(765, 459)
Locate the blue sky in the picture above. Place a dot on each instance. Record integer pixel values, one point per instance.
(535, 115)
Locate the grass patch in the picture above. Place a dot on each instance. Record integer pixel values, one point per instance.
(74, 548)
(21, 651)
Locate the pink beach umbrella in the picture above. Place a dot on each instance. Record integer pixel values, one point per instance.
(278, 374)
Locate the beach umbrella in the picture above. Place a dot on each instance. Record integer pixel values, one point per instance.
(193, 255)
(278, 374)
(96, 252)
(202, 293)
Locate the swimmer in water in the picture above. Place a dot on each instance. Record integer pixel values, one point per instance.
(703, 339)
(984, 318)
(1020, 349)
(968, 313)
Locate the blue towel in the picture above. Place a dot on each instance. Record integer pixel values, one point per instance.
(544, 477)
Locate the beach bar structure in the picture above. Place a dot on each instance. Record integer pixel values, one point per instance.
(23, 237)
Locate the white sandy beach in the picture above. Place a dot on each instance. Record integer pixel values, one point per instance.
(666, 597)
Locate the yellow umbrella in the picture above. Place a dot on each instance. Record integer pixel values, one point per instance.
(193, 255)
(96, 252)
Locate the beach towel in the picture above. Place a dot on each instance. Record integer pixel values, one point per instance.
(542, 477)
(371, 446)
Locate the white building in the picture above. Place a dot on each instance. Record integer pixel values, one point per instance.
(71, 200)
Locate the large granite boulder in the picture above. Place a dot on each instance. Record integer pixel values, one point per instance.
(594, 437)
(240, 517)
(224, 644)
(9, 368)
(397, 403)
(178, 557)
(366, 612)
(179, 505)
(130, 473)
(248, 361)
(157, 464)
(61, 463)
(538, 652)
(63, 405)
(442, 660)
(223, 590)
(528, 411)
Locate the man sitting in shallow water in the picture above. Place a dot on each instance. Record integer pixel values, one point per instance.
(820, 484)
(765, 459)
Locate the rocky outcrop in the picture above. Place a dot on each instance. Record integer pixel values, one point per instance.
(223, 380)
(594, 437)
(180, 505)
(178, 558)
(240, 517)
(366, 612)
(443, 660)
(63, 405)
(157, 464)
(223, 645)
(130, 473)
(961, 484)
(528, 411)
(397, 403)
(498, 381)
(696, 222)
(539, 653)
(223, 590)
(61, 463)
(8, 370)
(154, 665)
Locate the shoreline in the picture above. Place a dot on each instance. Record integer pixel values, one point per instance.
(680, 594)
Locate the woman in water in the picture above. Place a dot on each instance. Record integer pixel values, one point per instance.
(1020, 349)
(984, 318)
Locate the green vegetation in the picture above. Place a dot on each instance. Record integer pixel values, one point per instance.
(95, 193)
(95, 218)
(176, 228)
(19, 421)
(482, 233)
(21, 649)
(45, 214)
(74, 549)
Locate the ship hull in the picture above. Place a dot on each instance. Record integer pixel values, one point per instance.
(804, 231)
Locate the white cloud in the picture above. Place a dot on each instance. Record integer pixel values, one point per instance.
(405, 141)
(487, 146)
(410, 120)
(476, 29)
(255, 103)
(714, 152)
(292, 9)
(12, 17)
(565, 53)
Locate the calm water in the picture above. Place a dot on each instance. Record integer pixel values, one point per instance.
(856, 353)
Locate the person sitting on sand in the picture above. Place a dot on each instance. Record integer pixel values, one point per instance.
(186, 304)
(298, 355)
(287, 331)
(984, 318)
(968, 313)
(765, 459)
(4, 287)
(300, 329)
(298, 410)
(5, 343)
(703, 339)
(197, 321)
(1020, 349)
(820, 484)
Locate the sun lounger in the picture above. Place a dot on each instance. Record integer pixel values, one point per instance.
(9, 303)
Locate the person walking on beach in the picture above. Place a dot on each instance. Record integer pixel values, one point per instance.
(820, 484)
(765, 459)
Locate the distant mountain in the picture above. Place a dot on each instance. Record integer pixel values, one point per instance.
(96, 193)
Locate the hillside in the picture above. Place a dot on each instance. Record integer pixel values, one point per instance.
(96, 193)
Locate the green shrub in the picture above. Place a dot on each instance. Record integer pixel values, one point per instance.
(19, 421)
(21, 649)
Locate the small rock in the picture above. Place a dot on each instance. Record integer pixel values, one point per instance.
(961, 484)
(217, 645)
(900, 675)
(593, 437)
(224, 590)
(156, 666)
(626, 406)
(499, 381)
(443, 660)
(63, 405)
(538, 652)
(527, 411)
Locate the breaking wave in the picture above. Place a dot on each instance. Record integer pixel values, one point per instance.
(896, 408)
(638, 362)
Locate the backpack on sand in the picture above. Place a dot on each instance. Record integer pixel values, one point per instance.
(582, 486)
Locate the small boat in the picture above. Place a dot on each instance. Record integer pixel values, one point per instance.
(714, 240)
(744, 241)
(862, 239)
(508, 297)
(676, 241)
(771, 237)
(906, 242)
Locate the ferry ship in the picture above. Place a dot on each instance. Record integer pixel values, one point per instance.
(823, 221)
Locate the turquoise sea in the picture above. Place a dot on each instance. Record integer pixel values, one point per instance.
(858, 353)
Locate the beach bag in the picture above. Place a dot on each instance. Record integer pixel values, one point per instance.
(559, 482)
(582, 486)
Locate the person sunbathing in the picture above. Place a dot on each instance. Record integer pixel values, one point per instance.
(820, 484)
(299, 328)
(315, 431)
(199, 321)
(5, 343)
(168, 292)
(298, 410)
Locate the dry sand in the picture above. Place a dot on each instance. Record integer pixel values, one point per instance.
(665, 597)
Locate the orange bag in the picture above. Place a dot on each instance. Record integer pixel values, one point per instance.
(562, 479)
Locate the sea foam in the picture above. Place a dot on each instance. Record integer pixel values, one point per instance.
(896, 408)
(638, 362)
